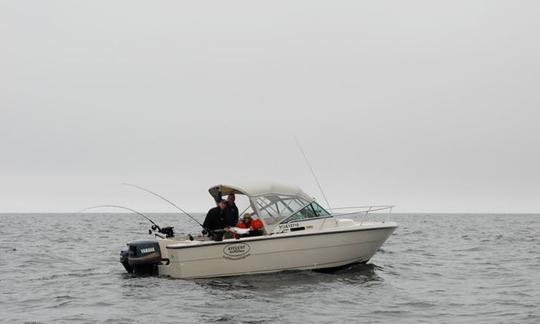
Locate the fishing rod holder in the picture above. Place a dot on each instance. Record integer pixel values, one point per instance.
(168, 231)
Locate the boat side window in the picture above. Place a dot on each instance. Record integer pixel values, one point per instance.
(313, 210)
(318, 210)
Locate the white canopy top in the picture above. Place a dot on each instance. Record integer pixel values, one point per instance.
(256, 189)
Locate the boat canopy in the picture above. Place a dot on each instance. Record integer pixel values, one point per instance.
(258, 189)
(272, 202)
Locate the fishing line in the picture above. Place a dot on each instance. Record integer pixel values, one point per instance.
(167, 200)
(125, 208)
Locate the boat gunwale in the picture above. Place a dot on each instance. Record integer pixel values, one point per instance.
(277, 236)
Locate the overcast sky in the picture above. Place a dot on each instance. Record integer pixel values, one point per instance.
(433, 106)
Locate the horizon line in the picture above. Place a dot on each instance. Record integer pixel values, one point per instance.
(202, 212)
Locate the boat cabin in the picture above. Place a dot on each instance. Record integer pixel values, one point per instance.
(274, 204)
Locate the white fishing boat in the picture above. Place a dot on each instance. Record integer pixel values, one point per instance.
(298, 234)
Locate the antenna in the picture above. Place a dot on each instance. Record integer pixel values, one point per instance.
(312, 173)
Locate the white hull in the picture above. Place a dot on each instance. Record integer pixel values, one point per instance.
(327, 248)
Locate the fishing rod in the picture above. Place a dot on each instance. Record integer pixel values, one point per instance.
(312, 172)
(168, 201)
(125, 208)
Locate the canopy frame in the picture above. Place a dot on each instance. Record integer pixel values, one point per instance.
(276, 196)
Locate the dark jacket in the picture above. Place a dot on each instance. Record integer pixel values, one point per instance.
(215, 219)
(231, 214)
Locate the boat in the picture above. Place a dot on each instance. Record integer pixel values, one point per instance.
(298, 234)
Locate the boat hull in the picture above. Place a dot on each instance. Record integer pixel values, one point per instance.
(316, 250)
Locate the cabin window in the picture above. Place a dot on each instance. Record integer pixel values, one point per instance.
(313, 210)
(273, 208)
(318, 210)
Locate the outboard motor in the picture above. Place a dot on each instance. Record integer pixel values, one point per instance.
(141, 257)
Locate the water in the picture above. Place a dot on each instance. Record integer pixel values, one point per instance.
(435, 268)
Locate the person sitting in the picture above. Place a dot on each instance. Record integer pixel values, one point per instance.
(255, 225)
(214, 223)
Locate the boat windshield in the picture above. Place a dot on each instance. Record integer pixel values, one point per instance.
(274, 208)
(312, 210)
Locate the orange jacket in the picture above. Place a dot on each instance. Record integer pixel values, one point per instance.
(255, 224)
(242, 225)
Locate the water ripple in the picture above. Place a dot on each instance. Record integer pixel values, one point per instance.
(435, 268)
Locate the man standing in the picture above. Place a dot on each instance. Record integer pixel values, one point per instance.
(231, 211)
(215, 220)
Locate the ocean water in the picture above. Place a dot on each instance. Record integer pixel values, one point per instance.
(63, 268)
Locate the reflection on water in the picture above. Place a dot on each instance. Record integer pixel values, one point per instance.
(293, 280)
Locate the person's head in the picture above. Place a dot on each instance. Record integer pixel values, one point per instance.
(222, 204)
(231, 198)
(246, 218)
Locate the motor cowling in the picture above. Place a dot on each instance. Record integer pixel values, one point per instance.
(141, 257)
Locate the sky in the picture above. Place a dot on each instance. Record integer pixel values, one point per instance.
(432, 106)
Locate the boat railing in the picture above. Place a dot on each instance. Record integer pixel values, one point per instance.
(363, 211)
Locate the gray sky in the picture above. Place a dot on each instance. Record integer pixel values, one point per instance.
(428, 105)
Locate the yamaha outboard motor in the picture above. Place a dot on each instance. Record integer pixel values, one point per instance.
(141, 257)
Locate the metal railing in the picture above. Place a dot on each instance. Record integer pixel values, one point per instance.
(363, 211)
